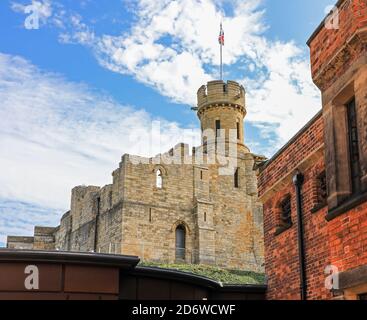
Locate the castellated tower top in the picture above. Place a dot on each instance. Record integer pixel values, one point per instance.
(219, 93)
(221, 108)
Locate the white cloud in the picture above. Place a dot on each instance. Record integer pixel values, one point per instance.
(176, 68)
(173, 47)
(19, 218)
(43, 8)
(55, 134)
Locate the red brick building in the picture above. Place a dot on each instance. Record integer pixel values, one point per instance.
(314, 190)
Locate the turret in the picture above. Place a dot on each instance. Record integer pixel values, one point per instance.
(221, 106)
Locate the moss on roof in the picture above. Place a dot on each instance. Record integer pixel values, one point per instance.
(225, 276)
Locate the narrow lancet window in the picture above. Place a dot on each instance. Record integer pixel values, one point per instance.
(159, 179)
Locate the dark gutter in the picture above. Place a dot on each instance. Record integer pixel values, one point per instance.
(108, 260)
(298, 180)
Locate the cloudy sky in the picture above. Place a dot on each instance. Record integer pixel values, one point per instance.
(92, 78)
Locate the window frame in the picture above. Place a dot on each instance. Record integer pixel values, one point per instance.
(159, 179)
(353, 141)
(283, 225)
(180, 251)
(236, 178)
(217, 128)
(286, 220)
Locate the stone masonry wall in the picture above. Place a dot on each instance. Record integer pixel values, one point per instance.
(223, 224)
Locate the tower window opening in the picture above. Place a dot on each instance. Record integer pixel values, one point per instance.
(224, 88)
(201, 175)
(217, 128)
(205, 145)
(236, 178)
(180, 242)
(150, 214)
(204, 216)
(238, 129)
(159, 179)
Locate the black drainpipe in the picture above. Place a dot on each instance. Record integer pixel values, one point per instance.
(96, 225)
(298, 180)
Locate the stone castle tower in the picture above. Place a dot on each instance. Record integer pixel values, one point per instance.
(221, 106)
(195, 208)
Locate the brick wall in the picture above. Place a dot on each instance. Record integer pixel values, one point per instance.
(307, 141)
(341, 242)
(304, 152)
(327, 42)
(335, 232)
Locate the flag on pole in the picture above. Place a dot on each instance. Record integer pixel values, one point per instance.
(221, 36)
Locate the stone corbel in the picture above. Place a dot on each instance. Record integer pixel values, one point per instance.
(336, 154)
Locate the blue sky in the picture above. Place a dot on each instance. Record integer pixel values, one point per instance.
(94, 75)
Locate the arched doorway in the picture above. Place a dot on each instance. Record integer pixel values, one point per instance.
(180, 242)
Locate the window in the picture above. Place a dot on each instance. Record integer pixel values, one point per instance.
(205, 145)
(236, 178)
(180, 242)
(286, 211)
(238, 130)
(363, 296)
(322, 188)
(201, 175)
(217, 128)
(150, 214)
(353, 146)
(159, 179)
(204, 216)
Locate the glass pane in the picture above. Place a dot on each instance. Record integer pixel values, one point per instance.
(180, 243)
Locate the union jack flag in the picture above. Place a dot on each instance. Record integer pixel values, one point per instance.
(221, 36)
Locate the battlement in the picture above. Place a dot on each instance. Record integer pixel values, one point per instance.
(220, 92)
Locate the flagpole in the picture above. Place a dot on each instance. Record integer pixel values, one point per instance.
(221, 61)
(221, 43)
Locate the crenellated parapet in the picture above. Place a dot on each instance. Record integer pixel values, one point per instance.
(221, 94)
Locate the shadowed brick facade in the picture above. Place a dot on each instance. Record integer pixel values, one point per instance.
(221, 222)
(330, 154)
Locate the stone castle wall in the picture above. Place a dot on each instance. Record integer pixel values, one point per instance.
(222, 223)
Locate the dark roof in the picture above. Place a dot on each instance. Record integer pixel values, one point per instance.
(321, 25)
(176, 275)
(123, 262)
(172, 274)
(82, 258)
